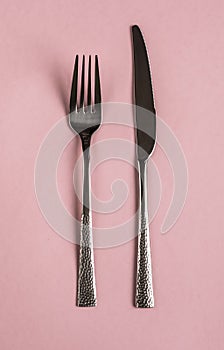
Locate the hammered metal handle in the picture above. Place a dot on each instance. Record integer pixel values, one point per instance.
(144, 289)
(86, 281)
(86, 295)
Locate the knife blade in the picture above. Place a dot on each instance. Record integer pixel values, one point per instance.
(144, 102)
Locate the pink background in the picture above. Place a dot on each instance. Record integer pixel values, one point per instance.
(38, 268)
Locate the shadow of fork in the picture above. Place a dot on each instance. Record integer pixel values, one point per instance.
(61, 79)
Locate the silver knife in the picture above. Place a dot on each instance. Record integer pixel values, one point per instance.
(145, 119)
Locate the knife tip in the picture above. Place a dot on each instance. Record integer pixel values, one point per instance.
(135, 27)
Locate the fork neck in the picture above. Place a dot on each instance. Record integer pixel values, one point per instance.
(85, 143)
(86, 178)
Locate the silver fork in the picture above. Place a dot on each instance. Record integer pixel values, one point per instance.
(85, 120)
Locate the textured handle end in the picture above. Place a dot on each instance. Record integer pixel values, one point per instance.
(144, 288)
(86, 282)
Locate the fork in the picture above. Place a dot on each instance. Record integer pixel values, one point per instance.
(85, 119)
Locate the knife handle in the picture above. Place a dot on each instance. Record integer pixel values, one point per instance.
(86, 295)
(144, 288)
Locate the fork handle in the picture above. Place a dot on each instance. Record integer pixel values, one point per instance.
(86, 279)
(144, 288)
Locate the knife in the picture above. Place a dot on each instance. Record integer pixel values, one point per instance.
(145, 122)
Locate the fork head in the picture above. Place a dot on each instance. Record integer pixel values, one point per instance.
(85, 115)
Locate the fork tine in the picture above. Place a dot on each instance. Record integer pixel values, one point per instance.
(73, 97)
(82, 83)
(97, 82)
(89, 85)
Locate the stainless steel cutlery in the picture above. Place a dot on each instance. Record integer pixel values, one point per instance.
(145, 142)
(85, 120)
